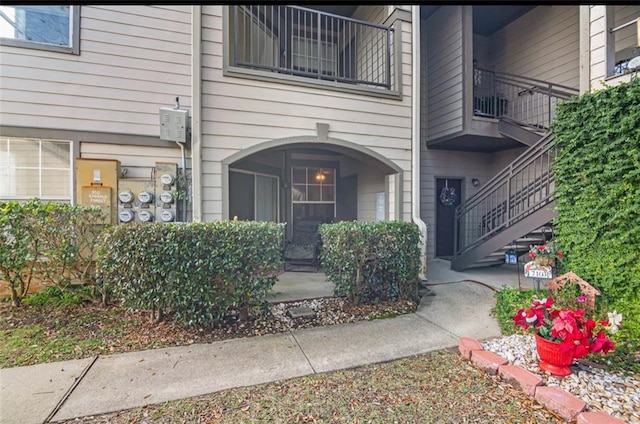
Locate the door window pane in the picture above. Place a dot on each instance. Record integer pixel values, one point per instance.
(314, 193)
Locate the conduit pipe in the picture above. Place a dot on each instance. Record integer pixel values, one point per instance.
(415, 139)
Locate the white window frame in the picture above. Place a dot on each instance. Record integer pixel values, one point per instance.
(303, 58)
(74, 34)
(6, 169)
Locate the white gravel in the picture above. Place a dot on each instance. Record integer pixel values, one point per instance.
(613, 393)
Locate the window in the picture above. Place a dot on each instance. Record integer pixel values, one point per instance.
(53, 28)
(253, 196)
(313, 185)
(305, 56)
(313, 194)
(35, 168)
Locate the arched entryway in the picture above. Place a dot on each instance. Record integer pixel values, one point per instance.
(303, 179)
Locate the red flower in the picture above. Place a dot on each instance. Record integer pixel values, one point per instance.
(559, 255)
(602, 343)
(569, 327)
(582, 348)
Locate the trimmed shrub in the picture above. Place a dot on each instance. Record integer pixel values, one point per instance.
(199, 271)
(52, 243)
(70, 236)
(20, 246)
(371, 261)
(597, 176)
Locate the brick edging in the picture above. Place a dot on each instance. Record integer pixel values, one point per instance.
(563, 403)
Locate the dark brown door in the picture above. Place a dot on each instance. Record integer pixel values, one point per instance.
(448, 197)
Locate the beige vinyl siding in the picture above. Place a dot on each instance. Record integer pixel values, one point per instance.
(137, 159)
(369, 183)
(239, 113)
(133, 60)
(542, 44)
(598, 32)
(501, 160)
(444, 72)
(448, 164)
(598, 42)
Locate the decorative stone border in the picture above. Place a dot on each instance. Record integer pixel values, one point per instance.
(566, 405)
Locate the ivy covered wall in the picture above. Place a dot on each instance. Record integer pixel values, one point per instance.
(597, 177)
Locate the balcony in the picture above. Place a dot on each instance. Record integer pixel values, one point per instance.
(302, 42)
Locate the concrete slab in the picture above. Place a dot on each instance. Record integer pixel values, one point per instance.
(349, 345)
(300, 285)
(301, 312)
(139, 378)
(29, 394)
(439, 271)
(462, 308)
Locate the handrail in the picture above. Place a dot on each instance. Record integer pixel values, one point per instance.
(619, 27)
(536, 81)
(523, 187)
(529, 101)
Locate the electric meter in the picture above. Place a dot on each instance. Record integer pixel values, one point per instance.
(145, 216)
(167, 216)
(145, 197)
(125, 216)
(125, 196)
(167, 179)
(166, 197)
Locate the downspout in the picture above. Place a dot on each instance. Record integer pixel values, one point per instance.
(196, 113)
(415, 138)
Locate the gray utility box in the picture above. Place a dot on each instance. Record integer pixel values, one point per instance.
(174, 124)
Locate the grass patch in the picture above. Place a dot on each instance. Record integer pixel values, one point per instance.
(437, 387)
(45, 332)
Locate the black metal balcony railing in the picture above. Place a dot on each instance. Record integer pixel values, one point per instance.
(304, 42)
(527, 100)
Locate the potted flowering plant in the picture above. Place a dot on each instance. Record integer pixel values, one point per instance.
(544, 254)
(563, 335)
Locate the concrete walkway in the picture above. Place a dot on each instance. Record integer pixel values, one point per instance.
(70, 389)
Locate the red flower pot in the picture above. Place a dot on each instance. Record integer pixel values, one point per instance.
(552, 358)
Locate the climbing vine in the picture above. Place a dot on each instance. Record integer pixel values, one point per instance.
(597, 177)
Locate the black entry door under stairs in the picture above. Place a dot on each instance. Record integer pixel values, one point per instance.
(448, 197)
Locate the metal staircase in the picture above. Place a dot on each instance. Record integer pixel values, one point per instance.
(515, 208)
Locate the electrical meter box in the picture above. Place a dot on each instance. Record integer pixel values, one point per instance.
(166, 191)
(174, 124)
(136, 200)
(96, 185)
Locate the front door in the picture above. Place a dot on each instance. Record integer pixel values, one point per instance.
(448, 197)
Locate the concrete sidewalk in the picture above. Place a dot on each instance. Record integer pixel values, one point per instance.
(65, 390)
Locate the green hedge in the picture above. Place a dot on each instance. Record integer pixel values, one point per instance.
(199, 271)
(597, 177)
(371, 261)
(53, 243)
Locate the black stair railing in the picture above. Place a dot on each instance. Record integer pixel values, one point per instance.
(529, 101)
(519, 190)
